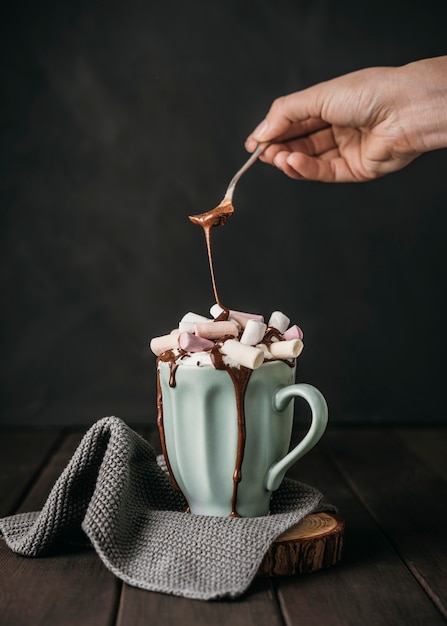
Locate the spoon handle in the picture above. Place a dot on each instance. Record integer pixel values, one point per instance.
(259, 150)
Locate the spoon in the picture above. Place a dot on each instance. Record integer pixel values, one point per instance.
(219, 216)
(228, 197)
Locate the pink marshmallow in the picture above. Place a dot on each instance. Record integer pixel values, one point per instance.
(294, 332)
(242, 318)
(192, 343)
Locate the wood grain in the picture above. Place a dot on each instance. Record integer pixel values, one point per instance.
(257, 607)
(315, 543)
(22, 455)
(376, 478)
(405, 496)
(72, 588)
(371, 585)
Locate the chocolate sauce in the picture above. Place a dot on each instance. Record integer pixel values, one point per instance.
(271, 334)
(217, 217)
(166, 357)
(239, 377)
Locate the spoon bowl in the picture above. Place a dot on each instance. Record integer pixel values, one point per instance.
(223, 211)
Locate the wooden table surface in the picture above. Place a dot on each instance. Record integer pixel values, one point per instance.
(390, 486)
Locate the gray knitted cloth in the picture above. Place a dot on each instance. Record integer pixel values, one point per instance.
(115, 493)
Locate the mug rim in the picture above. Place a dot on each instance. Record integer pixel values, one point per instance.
(210, 366)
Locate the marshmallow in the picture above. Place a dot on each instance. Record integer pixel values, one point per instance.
(215, 330)
(294, 332)
(286, 349)
(192, 343)
(245, 355)
(279, 321)
(231, 319)
(163, 343)
(187, 327)
(216, 310)
(188, 322)
(253, 333)
(194, 317)
(267, 354)
(240, 317)
(175, 331)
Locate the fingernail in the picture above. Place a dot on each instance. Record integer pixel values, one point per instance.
(277, 160)
(251, 144)
(260, 130)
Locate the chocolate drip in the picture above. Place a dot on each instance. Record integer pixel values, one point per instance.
(239, 377)
(217, 217)
(271, 334)
(223, 317)
(166, 357)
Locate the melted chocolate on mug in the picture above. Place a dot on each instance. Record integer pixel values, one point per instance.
(166, 357)
(239, 377)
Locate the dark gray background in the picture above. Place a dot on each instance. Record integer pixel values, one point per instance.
(120, 119)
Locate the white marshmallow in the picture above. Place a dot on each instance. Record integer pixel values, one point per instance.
(247, 356)
(163, 343)
(187, 327)
(267, 354)
(286, 349)
(253, 333)
(238, 316)
(188, 322)
(279, 321)
(216, 310)
(194, 317)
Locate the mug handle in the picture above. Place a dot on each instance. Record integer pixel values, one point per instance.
(318, 407)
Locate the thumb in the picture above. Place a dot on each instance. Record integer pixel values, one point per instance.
(272, 127)
(266, 131)
(290, 112)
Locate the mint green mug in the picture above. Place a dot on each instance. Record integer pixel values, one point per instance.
(202, 435)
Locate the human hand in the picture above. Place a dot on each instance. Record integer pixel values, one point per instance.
(359, 126)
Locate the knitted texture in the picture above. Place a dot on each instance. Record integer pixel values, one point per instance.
(117, 493)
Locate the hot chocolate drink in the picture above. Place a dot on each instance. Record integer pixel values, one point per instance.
(233, 342)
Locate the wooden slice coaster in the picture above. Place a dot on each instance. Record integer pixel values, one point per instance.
(313, 544)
